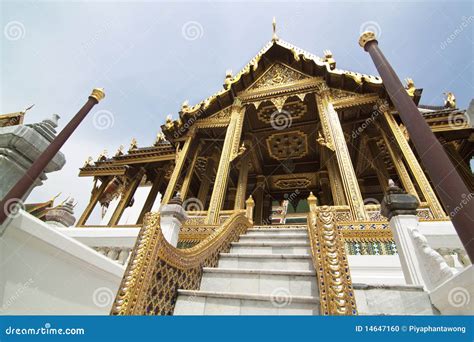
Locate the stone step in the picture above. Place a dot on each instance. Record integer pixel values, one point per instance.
(272, 231)
(281, 227)
(223, 303)
(296, 262)
(270, 248)
(270, 237)
(265, 282)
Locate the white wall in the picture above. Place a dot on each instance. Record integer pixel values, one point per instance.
(44, 272)
(376, 269)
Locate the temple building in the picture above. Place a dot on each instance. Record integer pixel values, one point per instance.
(269, 185)
(295, 189)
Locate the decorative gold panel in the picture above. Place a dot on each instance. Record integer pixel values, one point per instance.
(292, 183)
(278, 74)
(292, 110)
(330, 260)
(157, 270)
(287, 145)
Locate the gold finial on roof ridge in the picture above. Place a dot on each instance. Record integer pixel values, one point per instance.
(274, 35)
(450, 100)
(410, 86)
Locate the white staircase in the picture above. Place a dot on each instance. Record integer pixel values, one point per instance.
(269, 271)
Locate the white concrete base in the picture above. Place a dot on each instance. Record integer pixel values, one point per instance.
(44, 272)
(456, 296)
(376, 269)
(392, 300)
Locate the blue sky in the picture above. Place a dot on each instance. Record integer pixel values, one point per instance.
(54, 53)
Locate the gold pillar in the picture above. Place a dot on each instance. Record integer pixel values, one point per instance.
(462, 168)
(335, 138)
(206, 182)
(229, 151)
(95, 196)
(259, 196)
(189, 174)
(415, 167)
(378, 164)
(335, 180)
(126, 196)
(150, 200)
(397, 160)
(180, 159)
(242, 182)
(326, 194)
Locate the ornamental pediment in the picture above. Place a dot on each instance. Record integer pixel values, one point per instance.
(276, 76)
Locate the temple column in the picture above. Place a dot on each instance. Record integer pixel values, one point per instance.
(335, 180)
(267, 209)
(206, 182)
(126, 196)
(96, 194)
(335, 140)
(378, 164)
(229, 152)
(397, 160)
(459, 164)
(242, 182)
(258, 198)
(189, 174)
(452, 189)
(325, 194)
(150, 200)
(231, 193)
(180, 160)
(414, 166)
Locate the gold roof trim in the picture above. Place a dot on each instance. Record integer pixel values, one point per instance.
(298, 54)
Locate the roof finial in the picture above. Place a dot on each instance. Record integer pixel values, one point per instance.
(274, 36)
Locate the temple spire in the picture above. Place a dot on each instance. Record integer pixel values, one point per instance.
(274, 35)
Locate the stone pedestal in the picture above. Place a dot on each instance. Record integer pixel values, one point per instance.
(20, 145)
(172, 217)
(400, 208)
(421, 264)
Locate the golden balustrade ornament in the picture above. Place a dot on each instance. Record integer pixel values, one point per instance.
(157, 269)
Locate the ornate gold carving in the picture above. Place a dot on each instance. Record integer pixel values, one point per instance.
(410, 86)
(293, 110)
(98, 94)
(334, 134)
(329, 59)
(179, 163)
(330, 260)
(292, 183)
(287, 145)
(229, 149)
(450, 100)
(366, 37)
(277, 75)
(397, 161)
(415, 167)
(157, 270)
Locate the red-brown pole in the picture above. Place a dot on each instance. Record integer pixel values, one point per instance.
(20, 189)
(452, 191)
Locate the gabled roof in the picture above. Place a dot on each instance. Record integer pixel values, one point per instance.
(278, 50)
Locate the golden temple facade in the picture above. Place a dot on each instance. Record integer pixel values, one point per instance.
(290, 139)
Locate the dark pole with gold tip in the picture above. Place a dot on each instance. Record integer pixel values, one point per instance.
(451, 189)
(15, 196)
